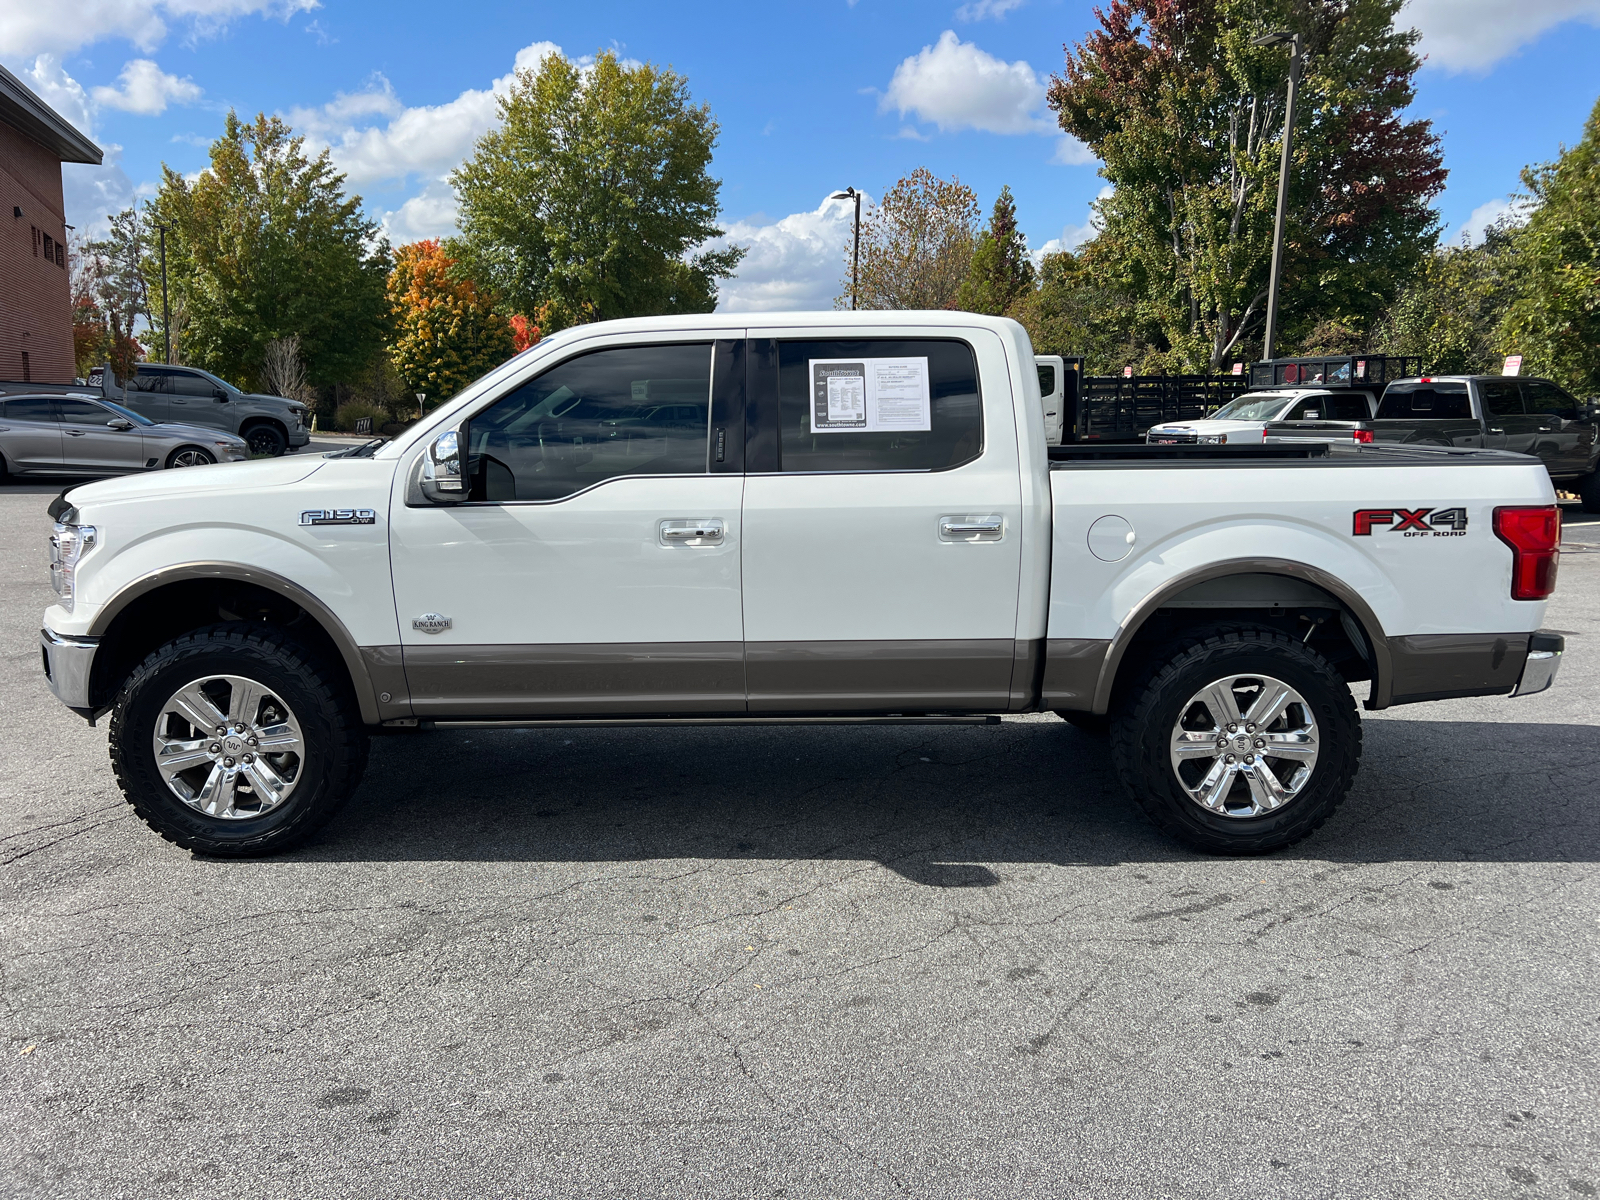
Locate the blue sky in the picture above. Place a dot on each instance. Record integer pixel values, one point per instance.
(810, 97)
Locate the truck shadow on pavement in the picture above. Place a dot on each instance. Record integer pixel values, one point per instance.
(942, 806)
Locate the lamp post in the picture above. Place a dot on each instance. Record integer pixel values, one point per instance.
(1296, 57)
(166, 314)
(850, 193)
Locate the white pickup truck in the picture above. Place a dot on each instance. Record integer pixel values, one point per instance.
(800, 518)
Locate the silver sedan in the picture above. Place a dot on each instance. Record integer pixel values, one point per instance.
(76, 434)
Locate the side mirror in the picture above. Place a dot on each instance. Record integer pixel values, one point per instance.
(120, 424)
(219, 394)
(443, 469)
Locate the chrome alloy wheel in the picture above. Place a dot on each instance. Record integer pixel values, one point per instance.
(192, 457)
(1244, 745)
(228, 747)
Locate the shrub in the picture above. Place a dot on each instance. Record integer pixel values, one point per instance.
(348, 413)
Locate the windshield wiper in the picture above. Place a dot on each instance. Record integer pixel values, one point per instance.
(365, 450)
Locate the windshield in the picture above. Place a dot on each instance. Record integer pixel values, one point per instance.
(1255, 407)
(136, 418)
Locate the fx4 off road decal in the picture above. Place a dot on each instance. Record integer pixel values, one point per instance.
(1412, 522)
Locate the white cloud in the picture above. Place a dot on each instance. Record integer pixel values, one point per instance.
(954, 85)
(795, 264)
(60, 26)
(427, 140)
(1473, 35)
(1073, 236)
(430, 214)
(1471, 230)
(1071, 152)
(60, 91)
(146, 89)
(91, 193)
(985, 9)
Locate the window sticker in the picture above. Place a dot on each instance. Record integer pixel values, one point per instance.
(872, 395)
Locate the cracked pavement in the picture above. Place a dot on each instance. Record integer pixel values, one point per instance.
(869, 961)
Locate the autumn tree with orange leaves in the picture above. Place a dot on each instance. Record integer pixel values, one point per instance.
(447, 332)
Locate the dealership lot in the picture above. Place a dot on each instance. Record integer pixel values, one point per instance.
(866, 961)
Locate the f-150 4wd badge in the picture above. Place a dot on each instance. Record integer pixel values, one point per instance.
(338, 516)
(1412, 522)
(431, 623)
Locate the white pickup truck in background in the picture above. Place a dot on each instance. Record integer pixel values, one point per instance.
(796, 518)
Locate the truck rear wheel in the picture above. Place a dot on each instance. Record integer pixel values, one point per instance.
(1238, 741)
(1588, 489)
(236, 741)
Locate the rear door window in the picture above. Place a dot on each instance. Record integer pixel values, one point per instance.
(151, 379)
(1349, 406)
(30, 408)
(1501, 397)
(903, 404)
(1425, 402)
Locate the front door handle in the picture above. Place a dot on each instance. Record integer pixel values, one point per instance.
(703, 531)
(968, 528)
(75, 432)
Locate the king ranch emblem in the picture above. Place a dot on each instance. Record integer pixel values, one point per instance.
(1411, 522)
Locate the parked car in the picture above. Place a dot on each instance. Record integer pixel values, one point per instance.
(83, 435)
(1297, 413)
(189, 396)
(861, 522)
(1498, 412)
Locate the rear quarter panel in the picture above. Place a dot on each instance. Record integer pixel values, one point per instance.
(1189, 517)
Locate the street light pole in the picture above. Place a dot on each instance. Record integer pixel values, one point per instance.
(166, 314)
(1296, 54)
(855, 255)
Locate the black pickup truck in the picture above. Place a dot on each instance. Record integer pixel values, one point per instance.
(190, 396)
(1498, 412)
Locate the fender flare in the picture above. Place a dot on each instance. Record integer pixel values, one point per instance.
(1377, 643)
(272, 582)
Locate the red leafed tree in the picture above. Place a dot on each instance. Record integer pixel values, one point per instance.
(524, 333)
(446, 330)
(1187, 117)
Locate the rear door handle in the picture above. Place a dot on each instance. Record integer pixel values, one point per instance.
(702, 531)
(953, 529)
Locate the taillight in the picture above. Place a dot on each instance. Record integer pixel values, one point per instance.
(1534, 535)
(1363, 436)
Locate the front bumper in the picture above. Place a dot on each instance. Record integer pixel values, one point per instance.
(1544, 660)
(299, 437)
(68, 665)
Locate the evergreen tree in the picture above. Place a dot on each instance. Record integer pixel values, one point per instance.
(1001, 273)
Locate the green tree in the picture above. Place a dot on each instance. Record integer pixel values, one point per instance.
(1452, 311)
(1188, 118)
(1001, 273)
(916, 246)
(264, 245)
(1554, 320)
(446, 330)
(588, 200)
(111, 288)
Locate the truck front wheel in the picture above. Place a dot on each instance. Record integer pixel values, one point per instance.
(266, 439)
(236, 741)
(1588, 489)
(1238, 741)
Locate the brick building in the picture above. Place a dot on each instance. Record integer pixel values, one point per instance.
(35, 301)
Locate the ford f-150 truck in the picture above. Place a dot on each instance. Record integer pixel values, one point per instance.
(801, 518)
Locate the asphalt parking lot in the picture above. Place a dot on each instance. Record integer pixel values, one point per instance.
(888, 961)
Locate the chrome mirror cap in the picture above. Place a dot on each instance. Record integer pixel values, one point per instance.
(443, 480)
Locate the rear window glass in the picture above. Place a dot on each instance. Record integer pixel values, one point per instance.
(1425, 402)
(1047, 380)
(903, 404)
(1352, 406)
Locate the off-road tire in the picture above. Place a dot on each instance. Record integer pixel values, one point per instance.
(1142, 726)
(329, 715)
(1588, 489)
(266, 438)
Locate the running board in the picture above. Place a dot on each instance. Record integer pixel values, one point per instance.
(613, 722)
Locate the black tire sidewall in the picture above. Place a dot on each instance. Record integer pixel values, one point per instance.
(280, 443)
(276, 669)
(1157, 788)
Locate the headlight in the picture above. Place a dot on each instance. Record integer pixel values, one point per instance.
(1214, 439)
(68, 545)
